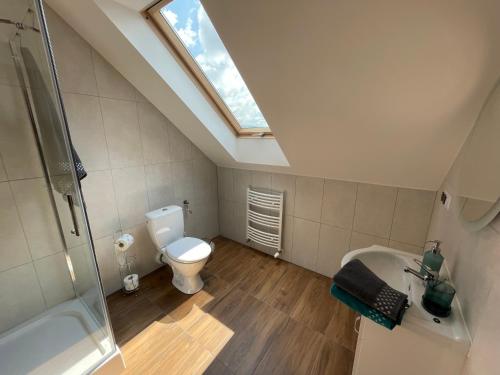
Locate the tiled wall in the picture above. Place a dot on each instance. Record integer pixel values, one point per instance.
(33, 271)
(473, 258)
(325, 218)
(136, 159)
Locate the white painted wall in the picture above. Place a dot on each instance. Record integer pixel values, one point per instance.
(382, 92)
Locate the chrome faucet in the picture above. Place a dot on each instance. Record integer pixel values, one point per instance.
(430, 275)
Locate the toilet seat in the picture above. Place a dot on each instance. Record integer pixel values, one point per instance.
(188, 250)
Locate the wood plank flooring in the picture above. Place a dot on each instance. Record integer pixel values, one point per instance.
(255, 315)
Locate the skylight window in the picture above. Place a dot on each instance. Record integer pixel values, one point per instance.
(190, 31)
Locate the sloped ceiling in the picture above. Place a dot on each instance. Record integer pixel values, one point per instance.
(377, 91)
(372, 91)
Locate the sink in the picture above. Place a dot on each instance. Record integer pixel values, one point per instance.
(388, 264)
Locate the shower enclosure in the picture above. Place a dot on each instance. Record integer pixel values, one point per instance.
(53, 316)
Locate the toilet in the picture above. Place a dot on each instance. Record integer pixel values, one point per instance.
(186, 255)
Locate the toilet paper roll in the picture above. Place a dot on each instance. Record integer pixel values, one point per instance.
(131, 282)
(124, 242)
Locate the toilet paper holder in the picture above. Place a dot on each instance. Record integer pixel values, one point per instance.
(128, 274)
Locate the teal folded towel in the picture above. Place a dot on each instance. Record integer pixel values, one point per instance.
(362, 308)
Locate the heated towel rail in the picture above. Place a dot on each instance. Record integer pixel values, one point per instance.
(265, 218)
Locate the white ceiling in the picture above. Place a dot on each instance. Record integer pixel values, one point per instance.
(379, 91)
(382, 92)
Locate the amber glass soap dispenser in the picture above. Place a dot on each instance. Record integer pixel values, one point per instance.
(433, 260)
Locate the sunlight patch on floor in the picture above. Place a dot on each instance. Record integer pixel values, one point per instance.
(188, 343)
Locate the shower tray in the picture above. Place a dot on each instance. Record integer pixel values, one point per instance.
(62, 340)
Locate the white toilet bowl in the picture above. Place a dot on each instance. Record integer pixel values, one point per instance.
(187, 256)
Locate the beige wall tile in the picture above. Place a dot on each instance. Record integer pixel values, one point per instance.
(37, 217)
(226, 183)
(8, 75)
(101, 203)
(180, 146)
(154, 134)
(374, 209)
(261, 180)
(287, 239)
(182, 173)
(205, 225)
(406, 247)
(13, 246)
(160, 185)
(200, 221)
(308, 198)
(333, 245)
(110, 83)
(239, 228)
(55, 280)
(87, 130)
(196, 153)
(242, 181)
(122, 133)
(204, 181)
(131, 196)
(226, 218)
(24, 300)
(3, 174)
(285, 183)
(108, 265)
(339, 202)
(16, 134)
(360, 241)
(139, 97)
(305, 243)
(219, 183)
(412, 216)
(73, 57)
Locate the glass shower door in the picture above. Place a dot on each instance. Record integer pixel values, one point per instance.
(73, 336)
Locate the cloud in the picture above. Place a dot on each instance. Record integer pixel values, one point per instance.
(187, 34)
(202, 40)
(225, 77)
(170, 16)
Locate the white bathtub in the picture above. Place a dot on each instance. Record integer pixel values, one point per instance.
(62, 340)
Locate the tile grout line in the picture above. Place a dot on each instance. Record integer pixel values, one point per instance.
(353, 216)
(393, 213)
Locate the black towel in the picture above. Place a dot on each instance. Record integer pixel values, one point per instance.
(359, 281)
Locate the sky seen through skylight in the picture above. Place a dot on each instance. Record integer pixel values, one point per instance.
(193, 26)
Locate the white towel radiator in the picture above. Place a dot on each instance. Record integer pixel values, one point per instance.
(265, 218)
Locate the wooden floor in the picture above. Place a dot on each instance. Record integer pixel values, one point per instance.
(255, 315)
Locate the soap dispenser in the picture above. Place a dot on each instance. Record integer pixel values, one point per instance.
(433, 260)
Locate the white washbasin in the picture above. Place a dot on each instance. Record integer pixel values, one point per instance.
(388, 264)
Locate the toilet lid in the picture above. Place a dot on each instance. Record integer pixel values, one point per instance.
(188, 250)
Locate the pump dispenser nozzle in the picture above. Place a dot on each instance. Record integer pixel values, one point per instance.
(435, 246)
(432, 258)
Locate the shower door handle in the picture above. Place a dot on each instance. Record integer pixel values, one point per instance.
(71, 205)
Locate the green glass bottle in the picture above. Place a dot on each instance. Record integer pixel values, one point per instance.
(433, 260)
